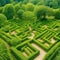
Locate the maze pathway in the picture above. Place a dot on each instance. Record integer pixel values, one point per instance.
(27, 43)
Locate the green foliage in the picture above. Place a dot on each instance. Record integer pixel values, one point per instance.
(57, 57)
(25, 1)
(34, 1)
(9, 11)
(29, 7)
(55, 4)
(27, 48)
(29, 16)
(41, 11)
(17, 6)
(20, 13)
(3, 20)
(50, 11)
(1, 8)
(57, 14)
(3, 2)
(3, 51)
(9, 38)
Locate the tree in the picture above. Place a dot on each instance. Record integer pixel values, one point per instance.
(41, 11)
(9, 11)
(30, 16)
(34, 1)
(18, 6)
(29, 7)
(3, 2)
(20, 13)
(55, 4)
(25, 1)
(57, 14)
(18, 0)
(1, 8)
(3, 19)
(50, 11)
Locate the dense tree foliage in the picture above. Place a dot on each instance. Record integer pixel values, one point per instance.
(9, 11)
(29, 7)
(41, 11)
(18, 6)
(3, 2)
(34, 1)
(57, 14)
(26, 9)
(29, 16)
(1, 8)
(20, 13)
(50, 3)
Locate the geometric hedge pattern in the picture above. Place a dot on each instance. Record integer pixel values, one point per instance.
(20, 42)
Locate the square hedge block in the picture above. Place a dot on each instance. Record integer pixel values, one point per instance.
(25, 51)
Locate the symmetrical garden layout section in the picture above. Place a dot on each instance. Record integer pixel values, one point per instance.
(30, 43)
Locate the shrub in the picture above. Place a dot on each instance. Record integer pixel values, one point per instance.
(9, 11)
(20, 13)
(29, 7)
(41, 11)
(29, 16)
(57, 14)
(17, 6)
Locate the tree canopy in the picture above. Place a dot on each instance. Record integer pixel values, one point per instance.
(9, 11)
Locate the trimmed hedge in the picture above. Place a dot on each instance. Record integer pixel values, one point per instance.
(4, 53)
(50, 53)
(27, 48)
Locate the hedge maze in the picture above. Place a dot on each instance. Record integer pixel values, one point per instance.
(51, 56)
(20, 42)
(45, 39)
(25, 51)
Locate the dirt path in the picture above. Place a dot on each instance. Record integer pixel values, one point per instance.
(42, 52)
